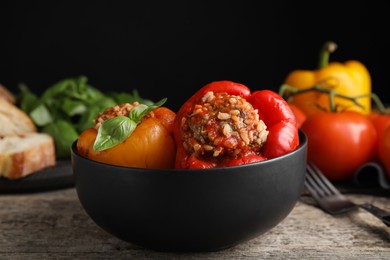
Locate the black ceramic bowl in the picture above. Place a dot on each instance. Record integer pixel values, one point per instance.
(190, 210)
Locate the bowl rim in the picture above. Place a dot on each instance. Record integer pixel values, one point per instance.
(302, 145)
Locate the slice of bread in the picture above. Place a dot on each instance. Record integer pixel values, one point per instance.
(6, 95)
(24, 154)
(13, 120)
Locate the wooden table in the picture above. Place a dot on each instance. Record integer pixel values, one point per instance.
(53, 225)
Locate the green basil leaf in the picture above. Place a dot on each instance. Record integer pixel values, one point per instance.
(41, 115)
(86, 119)
(113, 131)
(64, 135)
(158, 104)
(26, 99)
(74, 88)
(137, 113)
(73, 107)
(125, 97)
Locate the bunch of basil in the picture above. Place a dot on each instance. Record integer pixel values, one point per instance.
(68, 107)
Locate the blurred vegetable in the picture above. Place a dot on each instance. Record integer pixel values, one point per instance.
(64, 134)
(300, 116)
(67, 108)
(150, 144)
(349, 79)
(339, 142)
(384, 150)
(125, 97)
(222, 124)
(380, 117)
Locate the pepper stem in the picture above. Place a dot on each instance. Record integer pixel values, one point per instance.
(325, 52)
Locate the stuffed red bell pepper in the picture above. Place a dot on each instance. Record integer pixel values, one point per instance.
(224, 124)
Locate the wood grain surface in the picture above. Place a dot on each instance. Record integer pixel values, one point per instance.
(53, 225)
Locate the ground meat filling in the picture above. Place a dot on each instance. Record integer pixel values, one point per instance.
(223, 125)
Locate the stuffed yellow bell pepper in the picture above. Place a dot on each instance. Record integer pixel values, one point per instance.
(131, 135)
(350, 79)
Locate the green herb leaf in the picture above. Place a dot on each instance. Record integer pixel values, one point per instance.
(26, 99)
(64, 135)
(86, 119)
(41, 115)
(73, 107)
(124, 97)
(113, 131)
(74, 101)
(137, 113)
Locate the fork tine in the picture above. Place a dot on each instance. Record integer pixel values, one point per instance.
(330, 200)
(321, 181)
(312, 185)
(326, 181)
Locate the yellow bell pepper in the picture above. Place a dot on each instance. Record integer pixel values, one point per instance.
(350, 79)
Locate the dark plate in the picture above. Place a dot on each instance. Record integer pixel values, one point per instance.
(56, 177)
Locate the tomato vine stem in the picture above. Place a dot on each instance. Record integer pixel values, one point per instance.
(288, 92)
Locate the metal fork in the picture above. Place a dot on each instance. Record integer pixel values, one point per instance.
(332, 201)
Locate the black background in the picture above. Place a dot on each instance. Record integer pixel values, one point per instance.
(172, 48)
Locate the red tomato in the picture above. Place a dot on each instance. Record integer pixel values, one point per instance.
(384, 150)
(381, 122)
(339, 143)
(300, 116)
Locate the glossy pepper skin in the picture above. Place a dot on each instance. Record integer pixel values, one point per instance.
(151, 145)
(272, 109)
(350, 79)
(280, 120)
